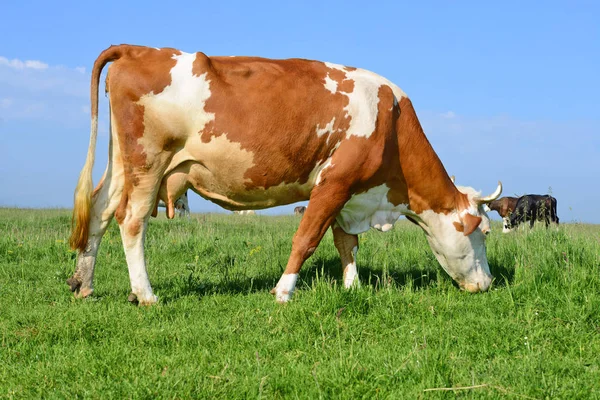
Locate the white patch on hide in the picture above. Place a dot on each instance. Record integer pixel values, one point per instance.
(327, 129)
(180, 106)
(330, 84)
(326, 165)
(505, 228)
(370, 209)
(364, 98)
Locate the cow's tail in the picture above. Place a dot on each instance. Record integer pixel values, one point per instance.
(83, 192)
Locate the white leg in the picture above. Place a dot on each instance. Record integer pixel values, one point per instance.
(285, 287)
(347, 246)
(350, 272)
(133, 244)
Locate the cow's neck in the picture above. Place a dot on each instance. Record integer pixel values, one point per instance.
(428, 184)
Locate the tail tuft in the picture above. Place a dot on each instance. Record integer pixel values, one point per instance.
(80, 223)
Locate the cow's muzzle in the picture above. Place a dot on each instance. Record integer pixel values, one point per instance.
(479, 286)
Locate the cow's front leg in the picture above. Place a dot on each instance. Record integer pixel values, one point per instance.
(325, 204)
(347, 246)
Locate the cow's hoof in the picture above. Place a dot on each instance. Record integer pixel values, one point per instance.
(285, 288)
(281, 297)
(74, 284)
(147, 301)
(82, 293)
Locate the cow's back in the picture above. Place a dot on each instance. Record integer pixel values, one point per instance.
(252, 132)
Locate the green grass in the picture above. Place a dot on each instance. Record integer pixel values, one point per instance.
(218, 333)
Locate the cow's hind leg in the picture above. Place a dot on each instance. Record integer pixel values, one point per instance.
(325, 204)
(135, 208)
(105, 200)
(347, 246)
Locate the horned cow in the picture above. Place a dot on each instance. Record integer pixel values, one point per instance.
(532, 207)
(254, 133)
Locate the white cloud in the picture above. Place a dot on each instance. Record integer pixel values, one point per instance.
(34, 90)
(28, 77)
(448, 114)
(18, 64)
(5, 103)
(35, 64)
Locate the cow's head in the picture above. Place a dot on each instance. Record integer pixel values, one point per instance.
(457, 238)
(496, 205)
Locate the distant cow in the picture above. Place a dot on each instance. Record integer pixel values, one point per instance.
(245, 212)
(532, 207)
(181, 205)
(504, 206)
(299, 210)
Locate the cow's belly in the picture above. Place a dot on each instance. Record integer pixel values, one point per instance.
(216, 171)
(235, 196)
(370, 209)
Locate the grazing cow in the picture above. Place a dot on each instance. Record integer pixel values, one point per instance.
(181, 205)
(504, 206)
(245, 212)
(533, 207)
(249, 132)
(299, 210)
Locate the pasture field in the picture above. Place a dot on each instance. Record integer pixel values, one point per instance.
(406, 333)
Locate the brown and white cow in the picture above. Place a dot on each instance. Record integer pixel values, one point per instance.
(504, 206)
(249, 132)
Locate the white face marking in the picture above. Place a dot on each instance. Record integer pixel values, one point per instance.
(285, 287)
(350, 271)
(364, 98)
(370, 209)
(462, 257)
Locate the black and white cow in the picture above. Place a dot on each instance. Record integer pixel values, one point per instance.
(532, 207)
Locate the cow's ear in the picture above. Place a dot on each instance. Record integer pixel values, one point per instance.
(469, 223)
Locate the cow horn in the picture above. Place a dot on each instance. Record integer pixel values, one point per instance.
(452, 178)
(491, 197)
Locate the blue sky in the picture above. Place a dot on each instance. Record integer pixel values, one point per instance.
(505, 90)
